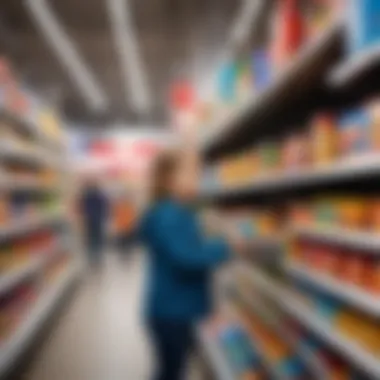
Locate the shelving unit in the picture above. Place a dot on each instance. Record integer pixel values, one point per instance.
(280, 103)
(357, 76)
(366, 241)
(215, 356)
(39, 266)
(312, 362)
(337, 174)
(29, 225)
(16, 276)
(320, 79)
(15, 346)
(350, 350)
(354, 296)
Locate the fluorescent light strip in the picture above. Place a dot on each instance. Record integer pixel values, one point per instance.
(245, 21)
(59, 41)
(135, 81)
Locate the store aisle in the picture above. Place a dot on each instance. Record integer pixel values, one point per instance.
(100, 336)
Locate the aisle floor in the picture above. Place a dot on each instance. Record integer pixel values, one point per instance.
(100, 335)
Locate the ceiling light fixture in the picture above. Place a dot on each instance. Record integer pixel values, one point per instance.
(245, 21)
(134, 77)
(63, 47)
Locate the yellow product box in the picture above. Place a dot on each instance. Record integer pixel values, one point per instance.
(252, 376)
(369, 336)
(267, 223)
(348, 323)
(324, 139)
(374, 112)
(354, 212)
(276, 350)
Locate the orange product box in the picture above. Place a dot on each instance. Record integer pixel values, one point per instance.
(310, 257)
(374, 112)
(252, 376)
(369, 335)
(354, 212)
(348, 323)
(276, 349)
(296, 152)
(355, 269)
(332, 261)
(324, 139)
(301, 214)
(374, 210)
(371, 275)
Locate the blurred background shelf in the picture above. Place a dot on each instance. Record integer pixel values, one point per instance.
(367, 241)
(30, 224)
(216, 358)
(364, 360)
(290, 97)
(11, 350)
(39, 259)
(310, 360)
(354, 296)
(348, 174)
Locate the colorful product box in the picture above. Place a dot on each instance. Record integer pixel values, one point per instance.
(363, 24)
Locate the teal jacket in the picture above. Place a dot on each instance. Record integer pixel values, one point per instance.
(181, 261)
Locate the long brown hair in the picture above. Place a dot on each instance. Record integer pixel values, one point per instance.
(163, 171)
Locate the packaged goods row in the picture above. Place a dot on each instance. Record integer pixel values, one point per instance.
(328, 140)
(25, 249)
(343, 212)
(36, 264)
(18, 303)
(321, 289)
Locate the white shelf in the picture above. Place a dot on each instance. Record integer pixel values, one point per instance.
(362, 359)
(312, 362)
(216, 358)
(369, 241)
(30, 224)
(354, 66)
(348, 169)
(12, 184)
(16, 276)
(18, 342)
(348, 293)
(35, 156)
(270, 321)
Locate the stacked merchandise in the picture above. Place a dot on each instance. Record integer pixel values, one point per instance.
(36, 262)
(235, 347)
(323, 286)
(349, 138)
(241, 79)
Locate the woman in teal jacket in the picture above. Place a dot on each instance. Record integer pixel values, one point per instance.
(181, 261)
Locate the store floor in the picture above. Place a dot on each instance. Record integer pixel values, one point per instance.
(100, 336)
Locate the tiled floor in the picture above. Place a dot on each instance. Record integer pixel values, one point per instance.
(100, 337)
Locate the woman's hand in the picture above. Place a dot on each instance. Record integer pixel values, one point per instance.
(238, 244)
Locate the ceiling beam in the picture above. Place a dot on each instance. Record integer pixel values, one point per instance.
(78, 72)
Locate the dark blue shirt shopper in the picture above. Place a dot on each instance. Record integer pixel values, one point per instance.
(181, 261)
(94, 210)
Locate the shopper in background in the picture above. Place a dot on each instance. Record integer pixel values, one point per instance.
(181, 263)
(94, 209)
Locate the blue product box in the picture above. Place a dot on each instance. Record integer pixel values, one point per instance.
(363, 24)
(261, 69)
(292, 368)
(355, 132)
